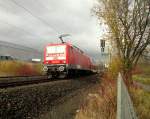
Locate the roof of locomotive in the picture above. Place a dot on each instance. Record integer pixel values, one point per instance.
(53, 44)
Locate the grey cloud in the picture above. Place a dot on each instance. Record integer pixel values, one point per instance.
(63, 16)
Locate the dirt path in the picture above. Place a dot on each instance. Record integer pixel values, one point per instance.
(66, 107)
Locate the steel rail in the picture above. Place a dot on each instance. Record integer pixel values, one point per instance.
(13, 81)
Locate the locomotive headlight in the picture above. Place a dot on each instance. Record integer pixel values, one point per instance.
(45, 68)
(61, 68)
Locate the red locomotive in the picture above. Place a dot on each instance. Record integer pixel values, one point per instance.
(61, 60)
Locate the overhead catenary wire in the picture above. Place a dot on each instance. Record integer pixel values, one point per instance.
(37, 17)
(39, 37)
(46, 8)
(19, 28)
(33, 15)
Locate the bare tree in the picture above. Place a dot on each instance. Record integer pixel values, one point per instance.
(129, 24)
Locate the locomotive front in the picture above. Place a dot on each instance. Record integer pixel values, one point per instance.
(55, 59)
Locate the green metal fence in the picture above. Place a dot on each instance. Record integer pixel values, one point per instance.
(125, 108)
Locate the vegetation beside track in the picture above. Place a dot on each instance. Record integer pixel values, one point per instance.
(100, 105)
(20, 68)
(142, 74)
(103, 104)
(31, 101)
(140, 96)
(142, 79)
(141, 101)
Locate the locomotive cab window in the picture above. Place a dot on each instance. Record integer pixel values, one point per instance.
(56, 49)
(57, 52)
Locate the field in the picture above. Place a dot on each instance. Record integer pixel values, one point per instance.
(141, 96)
(144, 79)
(143, 74)
(141, 101)
(19, 68)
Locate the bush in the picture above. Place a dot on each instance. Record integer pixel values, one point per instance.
(101, 105)
(114, 68)
(30, 69)
(13, 68)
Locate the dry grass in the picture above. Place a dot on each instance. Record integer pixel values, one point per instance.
(142, 73)
(142, 79)
(101, 105)
(141, 100)
(13, 68)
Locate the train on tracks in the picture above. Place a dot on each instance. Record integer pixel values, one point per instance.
(64, 59)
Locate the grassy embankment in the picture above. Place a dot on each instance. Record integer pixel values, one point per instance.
(142, 74)
(141, 101)
(103, 104)
(141, 97)
(19, 68)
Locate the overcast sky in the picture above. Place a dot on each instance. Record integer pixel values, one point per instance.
(34, 23)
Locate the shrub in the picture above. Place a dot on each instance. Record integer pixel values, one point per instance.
(137, 70)
(8, 67)
(101, 105)
(114, 68)
(13, 68)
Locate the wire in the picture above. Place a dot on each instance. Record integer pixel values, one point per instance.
(17, 27)
(46, 23)
(43, 6)
(20, 29)
(13, 1)
(17, 46)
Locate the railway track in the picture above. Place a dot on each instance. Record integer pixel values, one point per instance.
(13, 81)
(47, 95)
